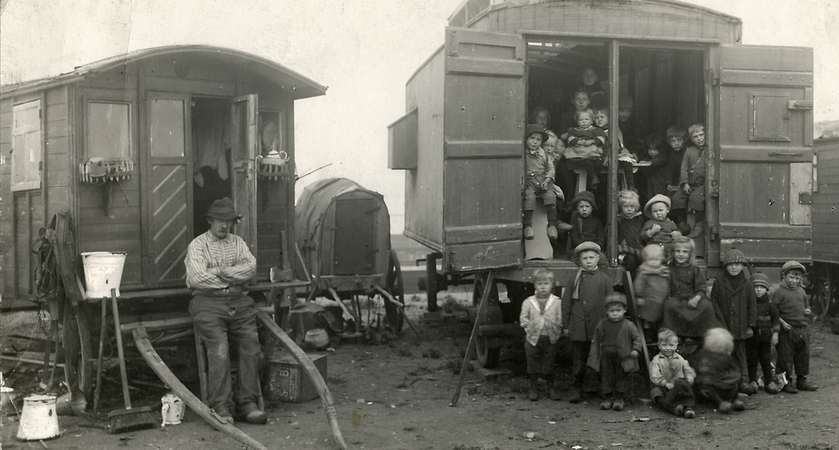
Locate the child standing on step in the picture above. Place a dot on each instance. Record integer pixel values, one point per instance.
(541, 318)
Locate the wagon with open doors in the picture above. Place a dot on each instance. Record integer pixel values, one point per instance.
(343, 233)
(128, 153)
(460, 143)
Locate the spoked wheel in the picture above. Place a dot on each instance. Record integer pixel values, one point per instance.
(487, 352)
(395, 284)
(78, 351)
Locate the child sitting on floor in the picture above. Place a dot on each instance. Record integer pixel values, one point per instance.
(539, 181)
(659, 228)
(672, 377)
(541, 318)
(585, 226)
(615, 346)
(582, 310)
(717, 374)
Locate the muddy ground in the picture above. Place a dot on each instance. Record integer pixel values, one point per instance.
(396, 395)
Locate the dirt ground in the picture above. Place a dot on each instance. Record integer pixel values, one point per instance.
(396, 395)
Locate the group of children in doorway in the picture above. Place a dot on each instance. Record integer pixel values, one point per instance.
(710, 344)
(675, 171)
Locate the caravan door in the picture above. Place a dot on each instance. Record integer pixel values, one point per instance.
(765, 138)
(484, 127)
(244, 142)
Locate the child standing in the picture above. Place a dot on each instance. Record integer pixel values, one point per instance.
(659, 228)
(733, 298)
(759, 347)
(692, 179)
(630, 222)
(676, 144)
(615, 347)
(582, 310)
(717, 373)
(655, 175)
(672, 377)
(687, 311)
(586, 227)
(541, 318)
(794, 338)
(539, 180)
(652, 285)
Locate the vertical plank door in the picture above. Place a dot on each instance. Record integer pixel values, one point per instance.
(765, 138)
(483, 149)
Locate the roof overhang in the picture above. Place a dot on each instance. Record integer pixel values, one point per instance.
(298, 85)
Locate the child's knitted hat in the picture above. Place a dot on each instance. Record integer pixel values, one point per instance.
(584, 196)
(734, 256)
(613, 298)
(658, 198)
(535, 128)
(792, 265)
(675, 130)
(760, 279)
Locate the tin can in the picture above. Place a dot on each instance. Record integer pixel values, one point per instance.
(171, 409)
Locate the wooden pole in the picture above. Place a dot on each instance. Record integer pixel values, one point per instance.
(490, 278)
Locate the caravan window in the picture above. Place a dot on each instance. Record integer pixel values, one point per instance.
(108, 130)
(26, 146)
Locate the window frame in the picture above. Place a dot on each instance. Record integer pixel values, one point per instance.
(86, 123)
(28, 184)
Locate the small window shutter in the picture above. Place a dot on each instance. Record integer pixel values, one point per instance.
(26, 146)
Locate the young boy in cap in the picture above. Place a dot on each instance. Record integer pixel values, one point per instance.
(794, 338)
(759, 347)
(658, 229)
(615, 346)
(582, 310)
(218, 267)
(539, 181)
(585, 226)
(733, 298)
(541, 318)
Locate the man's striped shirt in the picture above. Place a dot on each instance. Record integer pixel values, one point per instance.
(207, 254)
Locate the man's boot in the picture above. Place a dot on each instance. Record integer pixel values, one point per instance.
(528, 225)
(553, 234)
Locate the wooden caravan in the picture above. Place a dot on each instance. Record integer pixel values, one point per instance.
(343, 233)
(137, 146)
(826, 202)
(460, 143)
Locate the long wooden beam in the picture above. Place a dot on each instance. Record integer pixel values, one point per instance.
(141, 340)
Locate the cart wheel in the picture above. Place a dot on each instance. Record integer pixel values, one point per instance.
(78, 350)
(487, 352)
(395, 284)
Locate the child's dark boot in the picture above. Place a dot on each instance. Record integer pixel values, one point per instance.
(533, 389)
(606, 403)
(576, 395)
(553, 389)
(771, 387)
(790, 388)
(618, 404)
(738, 405)
(724, 407)
(748, 388)
(804, 385)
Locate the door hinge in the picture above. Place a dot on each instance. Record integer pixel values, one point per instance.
(800, 105)
(713, 77)
(714, 233)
